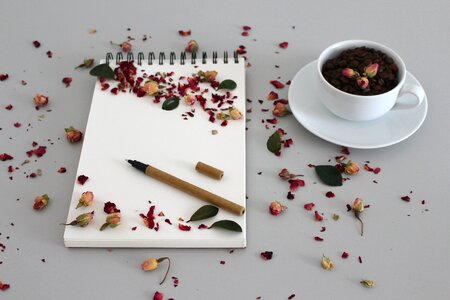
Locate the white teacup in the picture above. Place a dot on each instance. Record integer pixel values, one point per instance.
(363, 108)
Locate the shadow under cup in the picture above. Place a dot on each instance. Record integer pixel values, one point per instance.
(358, 107)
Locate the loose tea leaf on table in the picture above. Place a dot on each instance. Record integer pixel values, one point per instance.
(274, 142)
(171, 103)
(329, 175)
(102, 70)
(227, 224)
(204, 212)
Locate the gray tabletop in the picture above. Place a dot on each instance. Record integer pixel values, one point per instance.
(406, 245)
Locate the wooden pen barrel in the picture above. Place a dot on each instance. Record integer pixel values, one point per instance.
(194, 190)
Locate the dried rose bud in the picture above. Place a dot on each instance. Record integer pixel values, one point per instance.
(112, 220)
(358, 205)
(151, 88)
(189, 100)
(208, 76)
(40, 100)
(40, 202)
(362, 82)
(82, 220)
(367, 283)
(350, 73)
(280, 110)
(222, 116)
(351, 168)
(327, 264)
(152, 264)
(86, 199)
(285, 175)
(126, 46)
(371, 70)
(73, 135)
(235, 114)
(192, 46)
(87, 63)
(276, 208)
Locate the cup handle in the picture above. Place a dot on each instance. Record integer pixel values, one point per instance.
(410, 89)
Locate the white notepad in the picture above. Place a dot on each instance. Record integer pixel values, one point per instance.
(123, 127)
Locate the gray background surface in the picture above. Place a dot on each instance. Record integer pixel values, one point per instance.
(406, 247)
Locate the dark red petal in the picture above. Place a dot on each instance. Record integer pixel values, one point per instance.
(246, 27)
(377, 170)
(344, 255)
(110, 208)
(318, 238)
(5, 156)
(17, 124)
(202, 226)
(244, 33)
(329, 194)
(272, 96)
(360, 259)
(309, 206)
(323, 229)
(291, 297)
(345, 150)
(222, 262)
(184, 227)
(8, 107)
(406, 198)
(267, 255)
(67, 81)
(318, 217)
(283, 45)
(62, 170)
(3, 77)
(158, 296)
(49, 54)
(168, 221)
(134, 228)
(290, 196)
(349, 207)
(277, 84)
(82, 179)
(36, 44)
(184, 33)
(40, 151)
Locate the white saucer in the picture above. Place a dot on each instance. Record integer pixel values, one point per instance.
(393, 127)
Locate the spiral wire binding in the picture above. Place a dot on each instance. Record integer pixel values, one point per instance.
(172, 57)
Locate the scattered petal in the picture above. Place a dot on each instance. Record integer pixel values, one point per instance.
(82, 179)
(329, 194)
(277, 84)
(266, 255)
(309, 206)
(283, 45)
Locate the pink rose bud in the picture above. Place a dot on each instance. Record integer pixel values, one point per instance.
(192, 46)
(40, 100)
(73, 135)
(363, 82)
(86, 199)
(113, 219)
(40, 202)
(276, 208)
(189, 100)
(284, 174)
(351, 168)
(371, 70)
(151, 88)
(235, 114)
(126, 47)
(349, 73)
(280, 110)
(83, 220)
(358, 205)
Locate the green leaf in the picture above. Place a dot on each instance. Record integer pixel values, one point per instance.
(228, 225)
(204, 212)
(171, 103)
(104, 226)
(329, 175)
(227, 84)
(274, 142)
(102, 70)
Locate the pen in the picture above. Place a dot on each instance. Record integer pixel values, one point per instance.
(187, 187)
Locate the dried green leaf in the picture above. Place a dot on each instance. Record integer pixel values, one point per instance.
(102, 70)
(227, 84)
(204, 212)
(329, 175)
(228, 225)
(171, 103)
(274, 142)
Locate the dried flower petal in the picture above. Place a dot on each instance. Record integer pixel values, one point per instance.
(3, 77)
(295, 183)
(367, 283)
(266, 255)
(318, 238)
(5, 157)
(280, 110)
(277, 84)
(67, 81)
(272, 96)
(158, 296)
(40, 100)
(184, 227)
(344, 255)
(276, 208)
(309, 206)
(82, 179)
(317, 216)
(351, 168)
(283, 45)
(40, 202)
(246, 28)
(36, 44)
(329, 194)
(110, 208)
(327, 264)
(405, 198)
(184, 33)
(73, 135)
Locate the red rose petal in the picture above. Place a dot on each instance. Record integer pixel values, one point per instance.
(377, 170)
(17, 124)
(406, 198)
(323, 229)
(246, 28)
(344, 255)
(329, 194)
(290, 196)
(158, 296)
(8, 107)
(49, 54)
(36, 44)
(168, 221)
(318, 238)
(3, 77)
(244, 33)
(184, 33)
(360, 259)
(277, 84)
(284, 45)
(295, 183)
(62, 170)
(134, 228)
(267, 255)
(202, 226)
(67, 81)
(272, 96)
(4, 286)
(309, 206)
(272, 121)
(318, 217)
(184, 227)
(345, 150)
(10, 169)
(40, 151)
(110, 208)
(291, 297)
(222, 262)
(82, 179)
